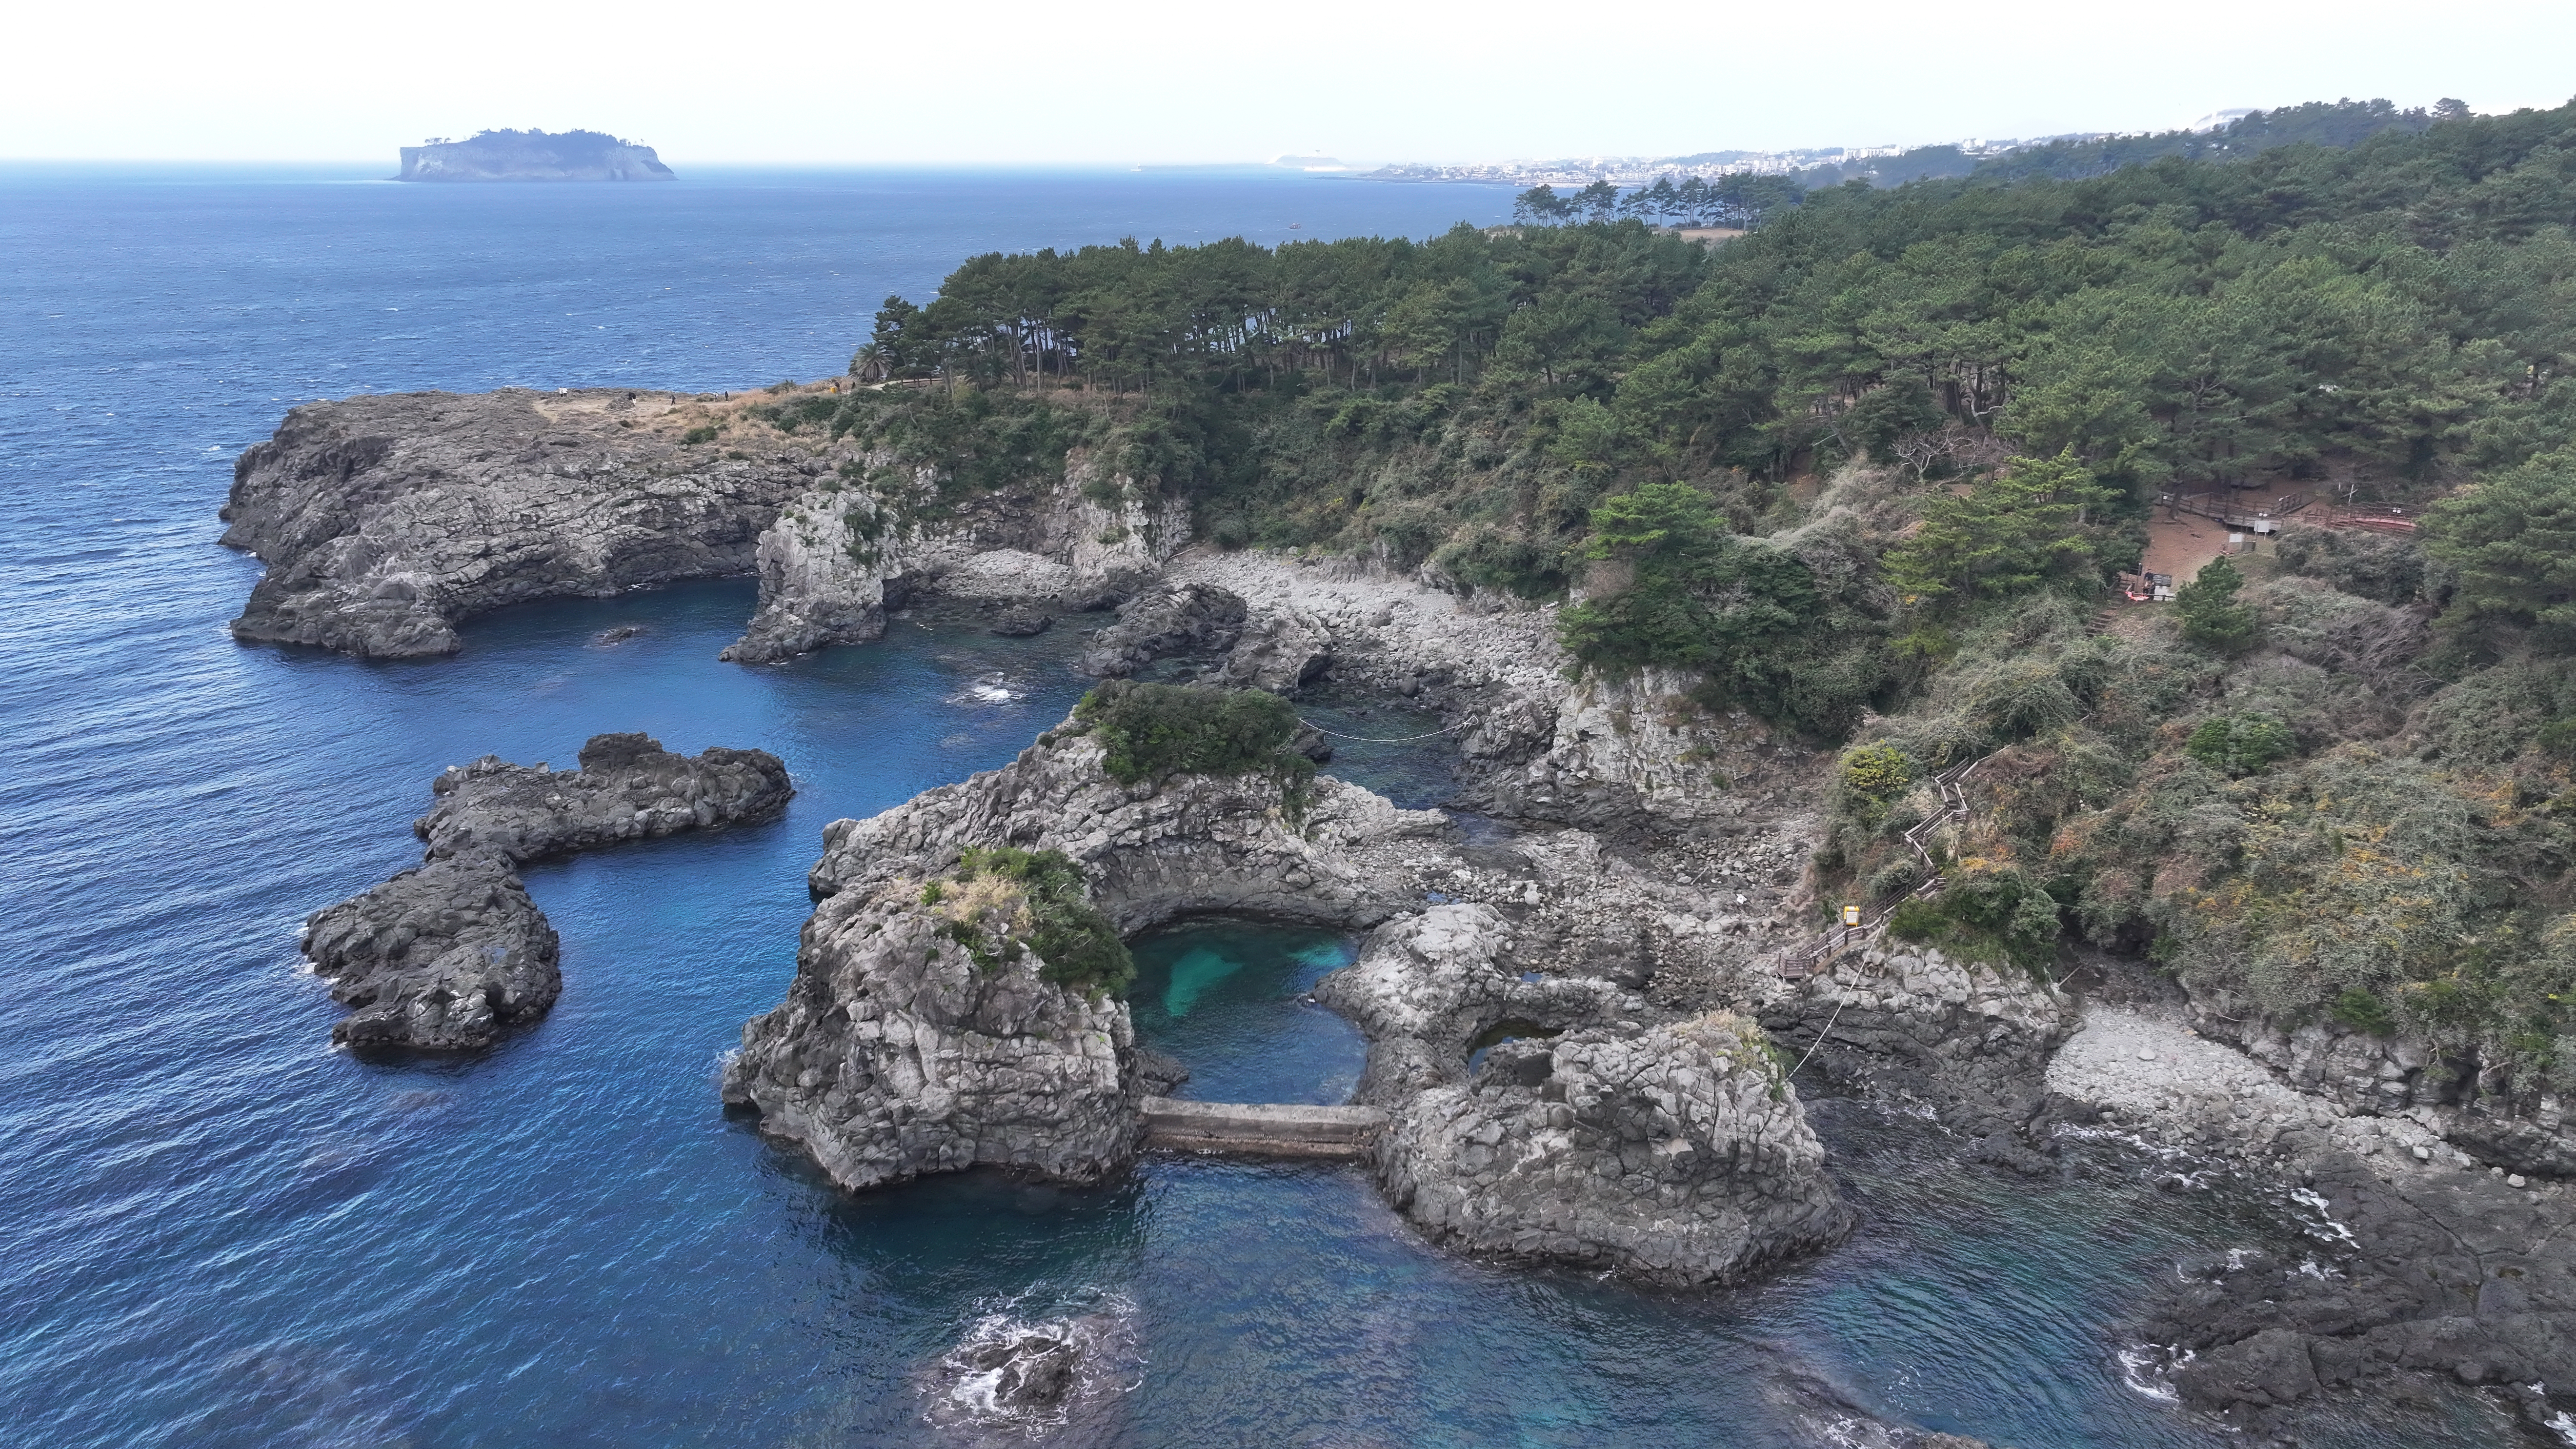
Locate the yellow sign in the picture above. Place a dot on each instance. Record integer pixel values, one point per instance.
(1851, 915)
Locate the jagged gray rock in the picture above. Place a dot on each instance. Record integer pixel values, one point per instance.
(443, 956)
(841, 554)
(1199, 619)
(1677, 1155)
(385, 521)
(628, 788)
(896, 1054)
(1285, 650)
(1426, 986)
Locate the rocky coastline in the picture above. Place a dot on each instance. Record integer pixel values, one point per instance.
(449, 954)
(1627, 926)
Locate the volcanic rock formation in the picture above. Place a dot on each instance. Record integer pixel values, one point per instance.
(447, 954)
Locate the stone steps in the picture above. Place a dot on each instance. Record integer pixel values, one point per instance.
(1263, 1129)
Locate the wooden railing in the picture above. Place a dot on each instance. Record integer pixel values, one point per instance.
(1809, 956)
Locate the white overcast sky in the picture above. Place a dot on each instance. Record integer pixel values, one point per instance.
(1123, 81)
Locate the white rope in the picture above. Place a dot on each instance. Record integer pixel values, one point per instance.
(1820, 1038)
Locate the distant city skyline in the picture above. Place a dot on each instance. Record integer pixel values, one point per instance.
(1161, 82)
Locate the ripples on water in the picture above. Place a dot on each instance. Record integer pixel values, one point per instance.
(216, 1231)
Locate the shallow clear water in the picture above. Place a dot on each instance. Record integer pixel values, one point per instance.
(216, 1231)
(1228, 999)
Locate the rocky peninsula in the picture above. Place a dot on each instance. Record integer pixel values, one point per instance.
(447, 955)
(385, 521)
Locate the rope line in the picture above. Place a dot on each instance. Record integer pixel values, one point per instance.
(1820, 1036)
(1373, 739)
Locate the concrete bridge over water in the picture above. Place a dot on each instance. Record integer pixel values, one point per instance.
(1265, 1129)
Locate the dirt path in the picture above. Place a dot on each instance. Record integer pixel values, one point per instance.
(2180, 546)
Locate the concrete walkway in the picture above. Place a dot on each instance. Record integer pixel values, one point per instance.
(1262, 1128)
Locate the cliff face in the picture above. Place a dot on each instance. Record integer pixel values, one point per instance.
(384, 521)
(533, 156)
(837, 552)
(387, 521)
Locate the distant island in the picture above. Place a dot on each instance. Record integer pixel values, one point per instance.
(533, 156)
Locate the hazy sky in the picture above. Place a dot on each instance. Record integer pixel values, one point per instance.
(1161, 80)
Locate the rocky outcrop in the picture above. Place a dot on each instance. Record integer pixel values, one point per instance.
(1425, 987)
(441, 957)
(1191, 619)
(386, 521)
(628, 788)
(2418, 1257)
(898, 1052)
(1538, 739)
(841, 554)
(821, 580)
(1677, 1155)
(2474, 1106)
(1971, 1038)
(445, 956)
(1284, 651)
(915, 1040)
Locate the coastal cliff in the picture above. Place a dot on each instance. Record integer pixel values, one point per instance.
(386, 521)
(533, 156)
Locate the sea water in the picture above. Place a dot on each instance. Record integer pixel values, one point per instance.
(217, 1231)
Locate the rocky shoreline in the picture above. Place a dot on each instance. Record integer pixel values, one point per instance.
(1631, 916)
(447, 955)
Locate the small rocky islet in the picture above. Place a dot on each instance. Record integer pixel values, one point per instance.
(448, 954)
(1636, 915)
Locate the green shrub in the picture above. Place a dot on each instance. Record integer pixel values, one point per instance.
(695, 436)
(2211, 616)
(1487, 559)
(2365, 1011)
(1876, 772)
(1919, 921)
(1150, 732)
(1075, 940)
(2240, 744)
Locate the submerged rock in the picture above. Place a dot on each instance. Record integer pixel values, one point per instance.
(443, 956)
(628, 788)
(448, 954)
(1022, 622)
(1009, 1379)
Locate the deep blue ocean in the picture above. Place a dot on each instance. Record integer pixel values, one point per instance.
(217, 1231)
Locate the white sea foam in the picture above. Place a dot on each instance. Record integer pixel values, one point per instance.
(2143, 1369)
